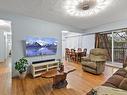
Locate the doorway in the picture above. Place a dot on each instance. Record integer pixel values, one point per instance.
(5, 40)
(5, 57)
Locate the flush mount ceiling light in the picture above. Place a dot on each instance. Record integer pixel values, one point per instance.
(85, 7)
(64, 31)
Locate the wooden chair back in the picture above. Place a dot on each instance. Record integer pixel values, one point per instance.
(79, 49)
(84, 52)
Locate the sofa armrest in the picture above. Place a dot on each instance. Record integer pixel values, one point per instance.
(85, 58)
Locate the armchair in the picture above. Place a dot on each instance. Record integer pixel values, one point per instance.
(95, 62)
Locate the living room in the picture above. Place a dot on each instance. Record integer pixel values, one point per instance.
(52, 26)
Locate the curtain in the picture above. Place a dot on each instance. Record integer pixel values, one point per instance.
(74, 42)
(102, 41)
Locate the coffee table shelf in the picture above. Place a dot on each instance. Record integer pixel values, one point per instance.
(38, 68)
(42, 69)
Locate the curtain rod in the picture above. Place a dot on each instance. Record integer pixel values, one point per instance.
(95, 32)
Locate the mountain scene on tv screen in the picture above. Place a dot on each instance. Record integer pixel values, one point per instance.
(44, 46)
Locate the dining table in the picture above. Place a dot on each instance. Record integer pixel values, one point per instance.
(79, 55)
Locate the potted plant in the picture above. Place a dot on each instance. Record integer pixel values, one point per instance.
(21, 67)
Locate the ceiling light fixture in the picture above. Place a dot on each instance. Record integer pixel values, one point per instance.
(4, 23)
(85, 7)
(64, 31)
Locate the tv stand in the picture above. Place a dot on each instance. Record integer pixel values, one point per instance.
(38, 68)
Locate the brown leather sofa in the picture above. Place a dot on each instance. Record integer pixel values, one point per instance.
(118, 80)
(95, 62)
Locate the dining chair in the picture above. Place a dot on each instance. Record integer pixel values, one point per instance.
(67, 54)
(73, 55)
(79, 50)
(84, 52)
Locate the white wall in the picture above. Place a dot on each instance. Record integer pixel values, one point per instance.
(2, 46)
(23, 27)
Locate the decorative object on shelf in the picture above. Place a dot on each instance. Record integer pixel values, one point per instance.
(83, 8)
(21, 67)
(61, 68)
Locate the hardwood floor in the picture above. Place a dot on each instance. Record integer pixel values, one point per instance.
(5, 78)
(79, 83)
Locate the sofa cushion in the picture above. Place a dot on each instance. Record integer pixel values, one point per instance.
(115, 80)
(121, 72)
(88, 69)
(97, 58)
(125, 68)
(118, 80)
(90, 64)
(85, 59)
(98, 51)
(109, 85)
(123, 84)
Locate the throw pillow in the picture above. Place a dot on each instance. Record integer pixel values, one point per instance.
(123, 84)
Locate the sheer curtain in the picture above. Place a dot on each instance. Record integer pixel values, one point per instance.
(74, 42)
(83, 41)
(78, 41)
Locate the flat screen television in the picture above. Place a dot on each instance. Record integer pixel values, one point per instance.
(40, 46)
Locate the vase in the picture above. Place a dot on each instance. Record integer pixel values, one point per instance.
(22, 75)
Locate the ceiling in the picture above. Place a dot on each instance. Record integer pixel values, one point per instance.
(52, 10)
